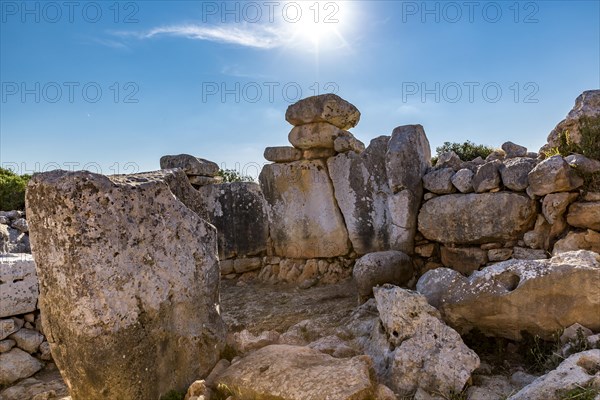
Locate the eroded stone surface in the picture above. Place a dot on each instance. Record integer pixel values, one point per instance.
(323, 108)
(115, 285)
(537, 296)
(284, 372)
(476, 218)
(18, 284)
(578, 371)
(239, 212)
(375, 269)
(305, 219)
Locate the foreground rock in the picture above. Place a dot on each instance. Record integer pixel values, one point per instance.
(415, 349)
(537, 296)
(581, 370)
(382, 267)
(305, 220)
(116, 287)
(18, 284)
(475, 218)
(323, 108)
(298, 373)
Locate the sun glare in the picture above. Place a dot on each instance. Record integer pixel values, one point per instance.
(317, 24)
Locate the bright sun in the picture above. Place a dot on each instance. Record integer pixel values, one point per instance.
(317, 23)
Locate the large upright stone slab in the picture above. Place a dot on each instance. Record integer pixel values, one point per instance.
(477, 218)
(239, 212)
(362, 193)
(305, 221)
(129, 283)
(18, 284)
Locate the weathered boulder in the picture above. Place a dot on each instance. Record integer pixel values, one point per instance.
(554, 205)
(239, 212)
(116, 286)
(305, 221)
(21, 225)
(513, 150)
(463, 180)
(448, 159)
(487, 177)
(585, 215)
(27, 339)
(17, 364)
(477, 218)
(439, 181)
(587, 240)
(463, 259)
(315, 135)
(578, 371)
(577, 161)
(347, 142)
(537, 296)
(298, 373)
(515, 171)
(35, 389)
(408, 158)
(539, 237)
(374, 216)
(375, 269)
(587, 105)
(421, 351)
(553, 175)
(323, 108)
(8, 326)
(18, 284)
(318, 153)
(282, 154)
(189, 164)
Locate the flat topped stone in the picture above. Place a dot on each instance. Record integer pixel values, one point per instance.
(282, 154)
(189, 164)
(323, 108)
(298, 373)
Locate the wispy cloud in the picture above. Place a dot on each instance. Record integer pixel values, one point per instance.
(109, 43)
(248, 35)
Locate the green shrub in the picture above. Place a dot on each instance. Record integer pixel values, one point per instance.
(580, 393)
(467, 151)
(173, 395)
(12, 190)
(231, 175)
(589, 146)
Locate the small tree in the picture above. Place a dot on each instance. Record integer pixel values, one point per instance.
(466, 151)
(12, 190)
(231, 175)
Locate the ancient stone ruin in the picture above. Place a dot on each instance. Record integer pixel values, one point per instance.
(347, 272)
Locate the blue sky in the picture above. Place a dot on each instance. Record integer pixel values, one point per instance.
(113, 86)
